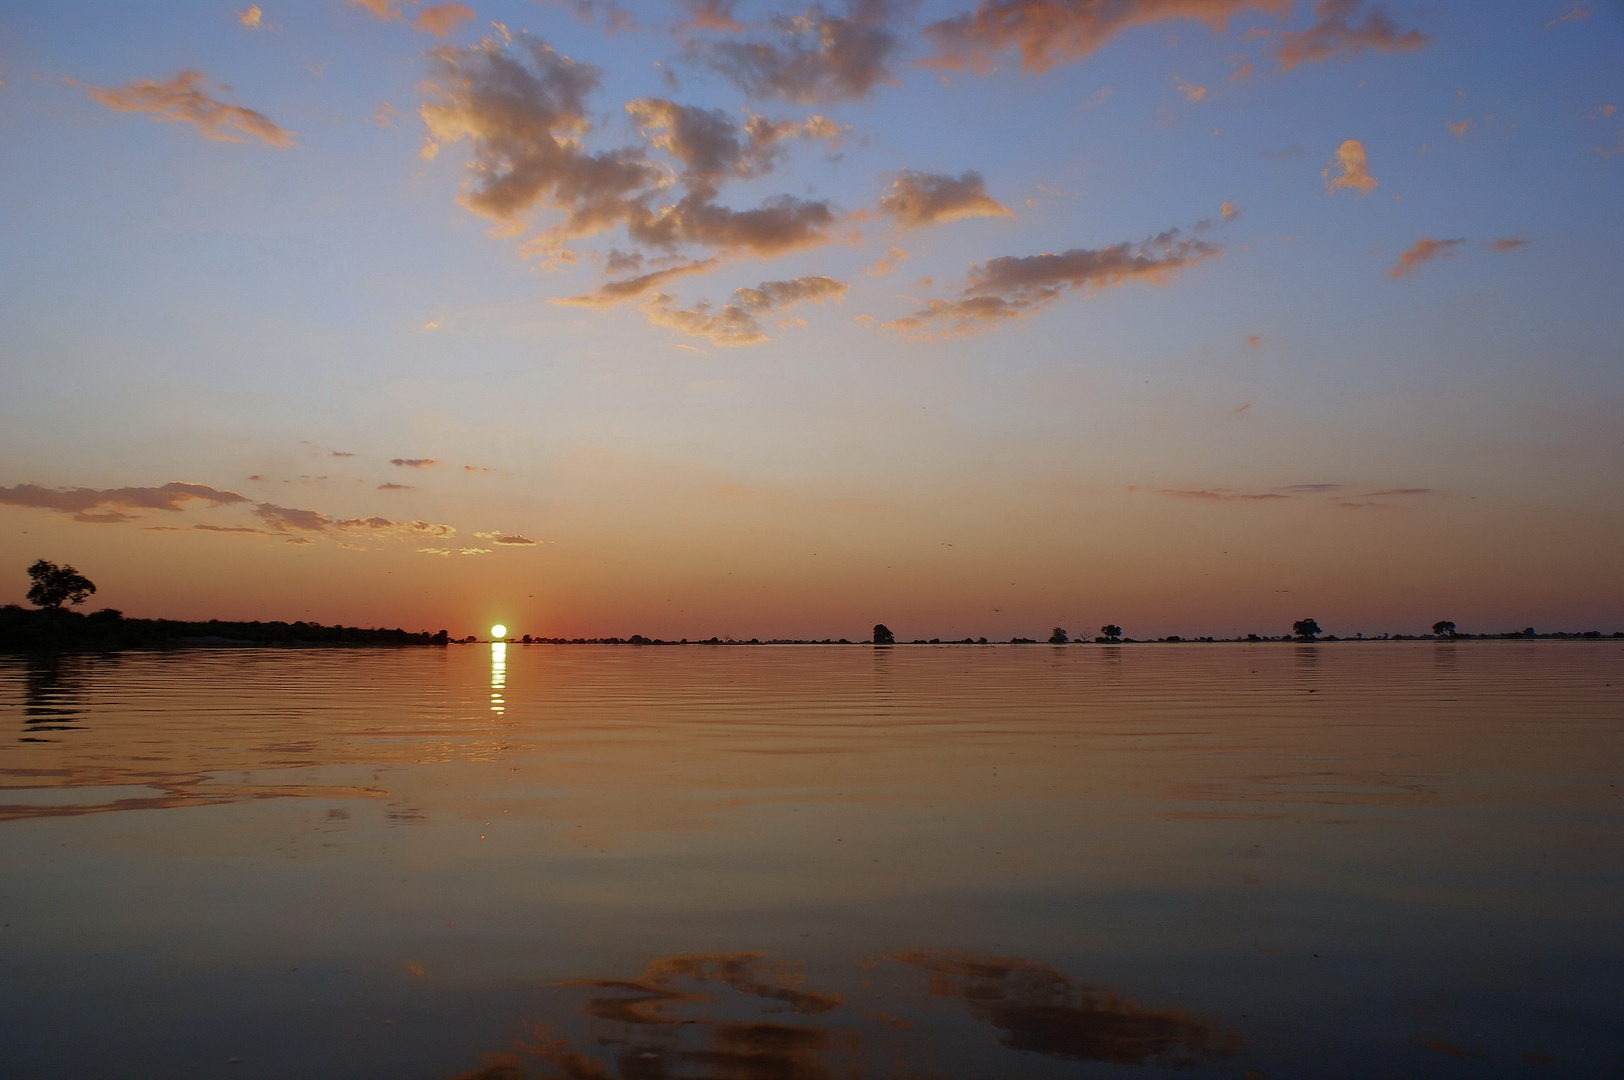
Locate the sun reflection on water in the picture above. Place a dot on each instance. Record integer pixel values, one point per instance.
(498, 675)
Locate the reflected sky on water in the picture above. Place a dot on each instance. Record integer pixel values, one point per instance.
(506, 860)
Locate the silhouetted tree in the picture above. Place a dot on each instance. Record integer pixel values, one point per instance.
(1111, 632)
(1444, 628)
(55, 585)
(1306, 628)
(883, 635)
(1059, 637)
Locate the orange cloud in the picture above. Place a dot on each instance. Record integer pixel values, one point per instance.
(891, 260)
(442, 19)
(385, 10)
(735, 324)
(708, 144)
(1335, 33)
(1576, 13)
(183, 98)
(250, 17)
(1508, 243)
(1355, 174)
(1190, 91)
(289, 519)
(917, 199)
(108, 505)
(1048, 32)
(1424, 250)
(617, 292)
(1460, 128)
(1013, 287)
(395, 487)
(715, 15)
(817, 57)
(414, 462)
(1229, 211)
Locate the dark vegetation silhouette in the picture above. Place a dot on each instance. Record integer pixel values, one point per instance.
(53, 585)
(1110, 633)
(883, 635)
(1059, 637)
(1306, 629)
(1444, 628)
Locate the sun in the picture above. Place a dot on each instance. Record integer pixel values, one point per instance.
(498, 631)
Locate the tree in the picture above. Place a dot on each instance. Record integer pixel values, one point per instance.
(1306, 628)
(55, 585)
(883, 635)
(1111, 632)
(1059, 637)
(1444, 629)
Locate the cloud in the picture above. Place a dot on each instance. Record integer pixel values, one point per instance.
(183, 98)
(1012, 287)
(616, 292)
(414, 462)
(1355, 174)
(385, 10)
(289, 519)
(1335, 32)
(735, 324)
(780, 224)
(250, 17)
(714, 15)
(1508, 243)
(455, 551)
(711, 147)
(1253, 340)
(889, 262)
(477, 468)
(1576, 13)
(1424, 250)
(107, 505)
(1190, 91)
(918, 199)
(818, 57)
(396, 487)
(510, 541)
(1229, 211)
(1223, 494)
(1460, 128)
(522, 107)
(441, 19)
(341, 453)
(1048, 32)
(524, 122)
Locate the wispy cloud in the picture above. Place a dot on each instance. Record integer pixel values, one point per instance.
(1048, 32)
(442, 19)
(815, 56)
(1576, 13)
(185, 99)
(617, 292)
(1509, 243)
(396, 487)
(1355, 170)
(736, 323)
(1016, 286)
(1423, 250)
(1336, 31)
(1222, 495)
(917, 199)
(1190, 90)
(414, 462)
(291, 519)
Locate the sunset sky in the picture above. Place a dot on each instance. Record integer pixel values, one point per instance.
(1195, 316)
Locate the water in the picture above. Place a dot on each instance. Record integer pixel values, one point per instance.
(800, 862)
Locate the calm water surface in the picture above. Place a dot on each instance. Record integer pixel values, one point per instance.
(1242, 861)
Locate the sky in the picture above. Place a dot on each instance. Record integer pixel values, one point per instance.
(773, 320)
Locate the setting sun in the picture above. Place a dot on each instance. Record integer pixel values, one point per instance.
(498, 631)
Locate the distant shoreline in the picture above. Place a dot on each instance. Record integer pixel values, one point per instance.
(27, 631)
